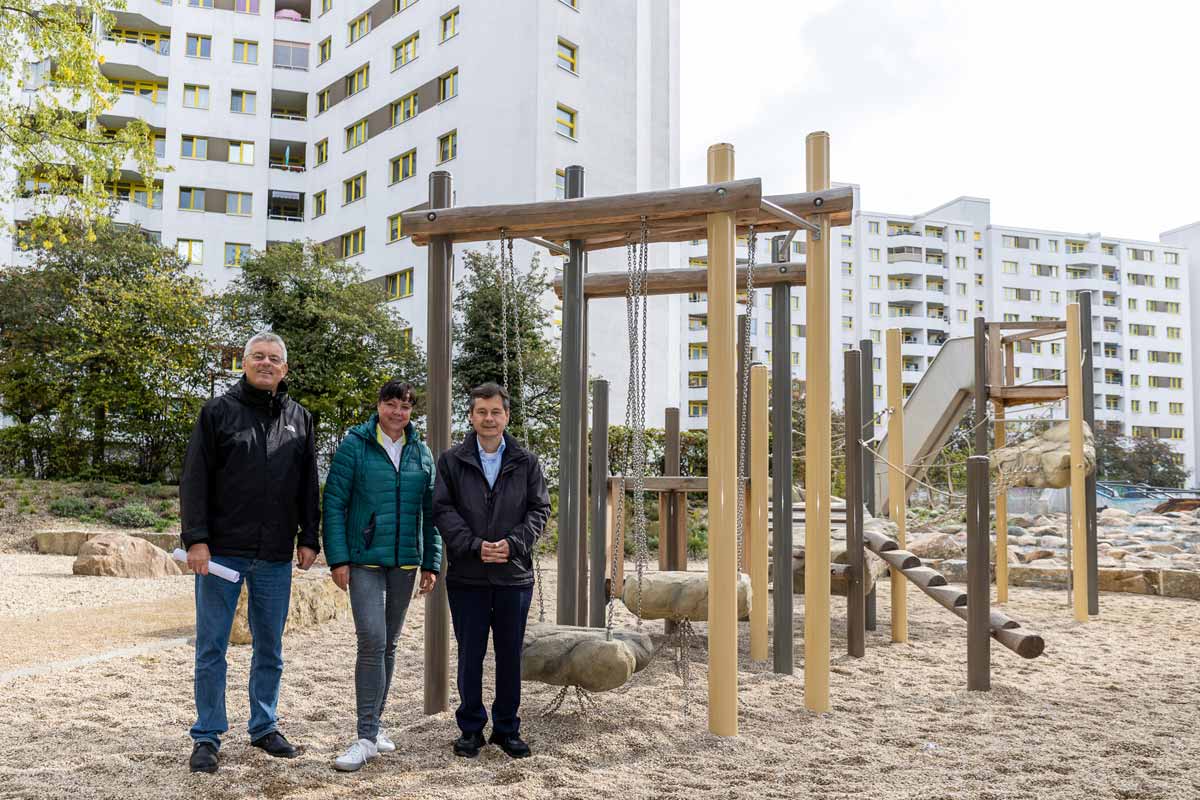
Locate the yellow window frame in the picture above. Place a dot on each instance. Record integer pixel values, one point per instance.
(448, 146)
(198, 143)
(450, 24)
(239, 250)
(395, 228)
(319, 205)
(568, 56)
(356, 134)
(241, 95)
(195, 196)
(239, 204)
(405, 108)
(400, 284)
(404, 166)
(406, 51)
(321, 151)
(242, 47)
(358, 80)
(244, 152)
(354, 189)
(448, 86)
(359, 27)
(565, 121)
(190, 250)
(354, 242)
(322, 101)
(324, 50)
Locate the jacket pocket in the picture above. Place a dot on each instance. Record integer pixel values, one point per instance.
(369, 532)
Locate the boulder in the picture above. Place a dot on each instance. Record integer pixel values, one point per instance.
(1050, 576)
(679, 595)
(315, 600)
(1180, 583)
(563, 655)
(1053, 542)
(1114, 516)
(1136, 581)
(1043, 461)
(120, 555)
(938, 546)
(1021, 521)
(1036, 555)
(68, 542)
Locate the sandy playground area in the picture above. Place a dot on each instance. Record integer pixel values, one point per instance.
(95, 690)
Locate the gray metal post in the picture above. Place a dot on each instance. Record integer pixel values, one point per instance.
(979, 600)
(672, 551)
(1089, 416)
(581, 603)
(981, 394)
(867, 409)
(856, 610)
(441, 292)
(571, 420)
(781, 466)
(596, 595)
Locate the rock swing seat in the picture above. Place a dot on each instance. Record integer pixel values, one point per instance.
(566, 655)
(677, 596)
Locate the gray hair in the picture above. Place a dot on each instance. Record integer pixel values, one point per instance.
(265, 336)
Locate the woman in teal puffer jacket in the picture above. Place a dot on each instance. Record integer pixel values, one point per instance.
(378, 509)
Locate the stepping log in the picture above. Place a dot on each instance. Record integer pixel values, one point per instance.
(565, 655)
(679, 595)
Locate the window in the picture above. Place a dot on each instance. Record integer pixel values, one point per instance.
(1137, 254)
(1173, 333)
(400, 5)
(404, 166)
(1133, 354)
(357, 81)
(241, 152)
(697, 408)
(1020, 242)
(291, 55)
(979, 254)
(1108, 249)
(960, 262)
(697, 380)
(848, 268)
(560, 186)
(406, 51)
(319, 205)
(568, 56)
(1074, 248)
(1171, 283)
(191, 199)
(1170, 258)
(847, 240)
(400, 284)
(1044, 270)
(323, 101)
(199, 46)
(193, 147)
(697, 350)
(847, 295)
(962, 315)
(1025, 295)
(1052, 244)
(565, 120)
(1165, 382)
(873, 226)
(239, 203)
(1175, 408)
(245, 6)
(160, 145)
(354, 242)
(873, 253)
(394, 228)
(195, 96)
(235, 253)
(978, 279)
(1162, 306)
(1135, 406)
(1138, 329)
(404, 109)
(359, 27)
(448, 85)
(960, 236)
(354, 188)
(326, 5)
(325, 50)
(356, 134)
(873, 309)
(1056, 348)
(1054, 296)
(242, 101)
(245, 51)
(1008, 267)
(190, 250)
(873, 281)
(1132, 304)
(979, 306)
(447, 146)
(322, 151)
(1012, 317)
(450, 25)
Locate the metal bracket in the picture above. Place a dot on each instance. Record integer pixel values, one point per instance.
(782, 213)
(555, 249)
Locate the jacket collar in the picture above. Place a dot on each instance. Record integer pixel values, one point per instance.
(367, 429)
(469, 450)
(252, 396)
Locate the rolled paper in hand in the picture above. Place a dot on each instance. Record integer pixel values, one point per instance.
(214, 568)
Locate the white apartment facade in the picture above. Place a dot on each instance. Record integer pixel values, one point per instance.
(931, 274)
(282, 120)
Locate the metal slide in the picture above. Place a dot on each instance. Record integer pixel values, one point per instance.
(937, 403)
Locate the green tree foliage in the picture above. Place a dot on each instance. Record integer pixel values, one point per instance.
(1139, 460)
(343, 339)
(105, 355)
(53, 92)
(479, 357)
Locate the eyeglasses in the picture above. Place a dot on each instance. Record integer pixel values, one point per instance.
(261, 357)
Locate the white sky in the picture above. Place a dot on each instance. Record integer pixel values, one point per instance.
(1078, 116)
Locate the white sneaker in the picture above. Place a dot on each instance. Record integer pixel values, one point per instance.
(383, 743)
(356, 755)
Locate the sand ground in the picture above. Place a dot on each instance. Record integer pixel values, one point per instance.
(1112, 710)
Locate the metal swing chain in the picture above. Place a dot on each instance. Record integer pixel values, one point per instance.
(504, 306)
(640, 548)
(747, 327)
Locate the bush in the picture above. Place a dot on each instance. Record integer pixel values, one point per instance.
(71, 506)
(109, 491)
(133, 515)
(159, 491)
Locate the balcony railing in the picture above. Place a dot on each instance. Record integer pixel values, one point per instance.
(279, 113)
(290, 167)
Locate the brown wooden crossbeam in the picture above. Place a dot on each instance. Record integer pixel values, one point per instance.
(598, 285)
(1024, 395)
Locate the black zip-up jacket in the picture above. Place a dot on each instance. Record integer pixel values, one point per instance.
(467, 513)
(250, 476)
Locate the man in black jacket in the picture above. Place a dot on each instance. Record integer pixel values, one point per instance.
(490, 504)
(249, 484)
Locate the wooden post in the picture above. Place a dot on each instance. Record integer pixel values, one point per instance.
(756, 512)
(600, 519)
(856, 612)
(867, 390)
(1089, 486)
(896, 497)
(668, 523)
(979, 607)
(722, 460)
(818, 430)
(440, 276)
(1079, 571)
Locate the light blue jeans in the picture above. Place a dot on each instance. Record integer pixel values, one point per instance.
(379, 599)
(269, 587)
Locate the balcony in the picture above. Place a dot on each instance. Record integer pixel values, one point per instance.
(292, 18)
(286, 158)
(897, 254)
(285, 214)
(289, 115)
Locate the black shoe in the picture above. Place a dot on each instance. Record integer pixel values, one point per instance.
(468, 745)
(276, 745)
(510, 743)
(204, 758)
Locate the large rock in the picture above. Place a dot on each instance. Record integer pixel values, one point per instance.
(315, 600)
(120, 555)
(1043, 461)
(1180, 583)
(563, 655)
(939, 547)
(1135, 581)
(1114, 516)
(678, 595)
(68, 542)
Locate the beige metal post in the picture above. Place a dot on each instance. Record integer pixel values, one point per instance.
(722, 460)
(1079, 572)
(817, 433)
(896, 496)
(760, 494)
(1001, 514)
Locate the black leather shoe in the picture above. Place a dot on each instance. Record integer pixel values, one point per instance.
(468, 745)
(510, 743)
(204, 758)
(276, 745)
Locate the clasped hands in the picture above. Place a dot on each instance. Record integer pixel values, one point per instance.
(494, 552)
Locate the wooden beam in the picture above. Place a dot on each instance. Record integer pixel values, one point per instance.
(1017, 337)
(479, 223)
(1018, 395)
(1075, 399)
(669, 483)
(1045, 325)
(598, 285)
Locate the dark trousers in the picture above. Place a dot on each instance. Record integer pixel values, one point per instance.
(475, 610)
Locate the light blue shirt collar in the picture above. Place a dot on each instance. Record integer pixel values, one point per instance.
(491, 461)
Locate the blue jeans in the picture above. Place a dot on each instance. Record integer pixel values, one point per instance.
(269, 586)
(474, 611)
(379, 599)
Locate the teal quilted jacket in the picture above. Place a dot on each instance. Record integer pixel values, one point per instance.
(376, 514)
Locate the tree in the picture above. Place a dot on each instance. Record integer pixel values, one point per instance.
(1155, 462)
(52, 139)
(343, 339)
(479, 334)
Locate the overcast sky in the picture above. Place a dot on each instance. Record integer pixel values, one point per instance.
(1077, 116)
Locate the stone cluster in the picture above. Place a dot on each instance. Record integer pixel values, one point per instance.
(1042, 461)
